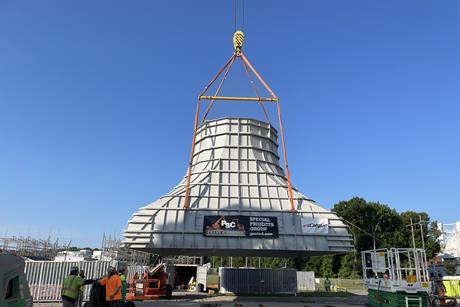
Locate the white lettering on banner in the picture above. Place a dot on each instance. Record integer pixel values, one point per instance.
(228, 224)
(240, 226)
(315, 225)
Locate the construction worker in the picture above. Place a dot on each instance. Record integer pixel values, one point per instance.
(112, 283)
(71, 287)
(146, 274)
(327, 285)
(82, 290)
(122, 274)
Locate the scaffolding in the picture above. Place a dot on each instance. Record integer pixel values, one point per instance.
(111, 249)
(38, 249)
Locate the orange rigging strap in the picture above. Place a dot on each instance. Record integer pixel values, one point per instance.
(238, 43)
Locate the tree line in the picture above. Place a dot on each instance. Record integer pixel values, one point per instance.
(366, 220)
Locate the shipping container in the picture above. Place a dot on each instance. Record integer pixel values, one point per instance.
(258, 281)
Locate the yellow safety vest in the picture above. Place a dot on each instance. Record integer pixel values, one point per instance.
(71, 286)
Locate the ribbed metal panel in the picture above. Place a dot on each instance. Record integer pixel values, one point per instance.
(258, 281)
(235, 171)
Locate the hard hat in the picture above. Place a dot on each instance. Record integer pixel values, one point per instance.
(110, 269)
(74, 269)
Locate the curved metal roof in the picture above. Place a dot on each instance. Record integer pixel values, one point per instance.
(235, 173)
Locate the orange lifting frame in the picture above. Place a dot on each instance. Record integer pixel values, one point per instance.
(213, 98)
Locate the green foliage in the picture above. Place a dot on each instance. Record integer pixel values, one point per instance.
(326, 267)
(349, 266)
(372, 217)
(390, 228)
(313, 264)
(450, 266)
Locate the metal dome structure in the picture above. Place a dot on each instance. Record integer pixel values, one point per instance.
(236, 199)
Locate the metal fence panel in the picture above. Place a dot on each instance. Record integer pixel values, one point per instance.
(305, 281)
(258, 281)
(132, 270)
(202, 275)
(45, 278)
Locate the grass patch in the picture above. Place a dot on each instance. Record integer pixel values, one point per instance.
(349, 284)
(212, 279)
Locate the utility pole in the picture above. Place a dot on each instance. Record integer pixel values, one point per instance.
(412, 224)
(412, 230)
(373, 237)
(421, 231)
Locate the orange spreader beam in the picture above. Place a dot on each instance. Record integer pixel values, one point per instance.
(237, 98)
(238, 54)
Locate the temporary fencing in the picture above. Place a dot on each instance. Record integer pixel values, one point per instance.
(45, 278)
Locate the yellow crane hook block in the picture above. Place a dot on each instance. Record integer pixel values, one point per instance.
(238, 38)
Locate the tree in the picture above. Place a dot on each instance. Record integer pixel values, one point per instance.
(391, 229)
(349, 267)
(365, 219)
(313, 264)
(432, 243)
(326, 267)
(450, 267)
(431, 232)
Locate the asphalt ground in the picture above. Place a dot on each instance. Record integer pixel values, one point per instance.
(191, 299)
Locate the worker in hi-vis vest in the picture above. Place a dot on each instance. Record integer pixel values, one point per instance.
(112, 283)
(71, 287)
(122, 274)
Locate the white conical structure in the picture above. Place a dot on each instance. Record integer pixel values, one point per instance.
(236, 175)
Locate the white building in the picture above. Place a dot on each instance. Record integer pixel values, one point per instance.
(450, 239)
(75, 256)
(104, 256)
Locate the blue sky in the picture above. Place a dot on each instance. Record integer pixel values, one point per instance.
(97, 100)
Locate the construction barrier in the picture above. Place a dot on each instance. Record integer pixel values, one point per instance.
(45, 278)
(305, 281)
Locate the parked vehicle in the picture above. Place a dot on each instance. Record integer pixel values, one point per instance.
(153, 286)
(14, 289)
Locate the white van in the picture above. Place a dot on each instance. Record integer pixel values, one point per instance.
(14, 290)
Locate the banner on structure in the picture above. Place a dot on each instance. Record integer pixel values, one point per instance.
(240, 226)
(315, 225)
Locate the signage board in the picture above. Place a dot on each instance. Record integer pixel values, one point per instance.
(240, 226)
(315, 225)
(378, 262)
